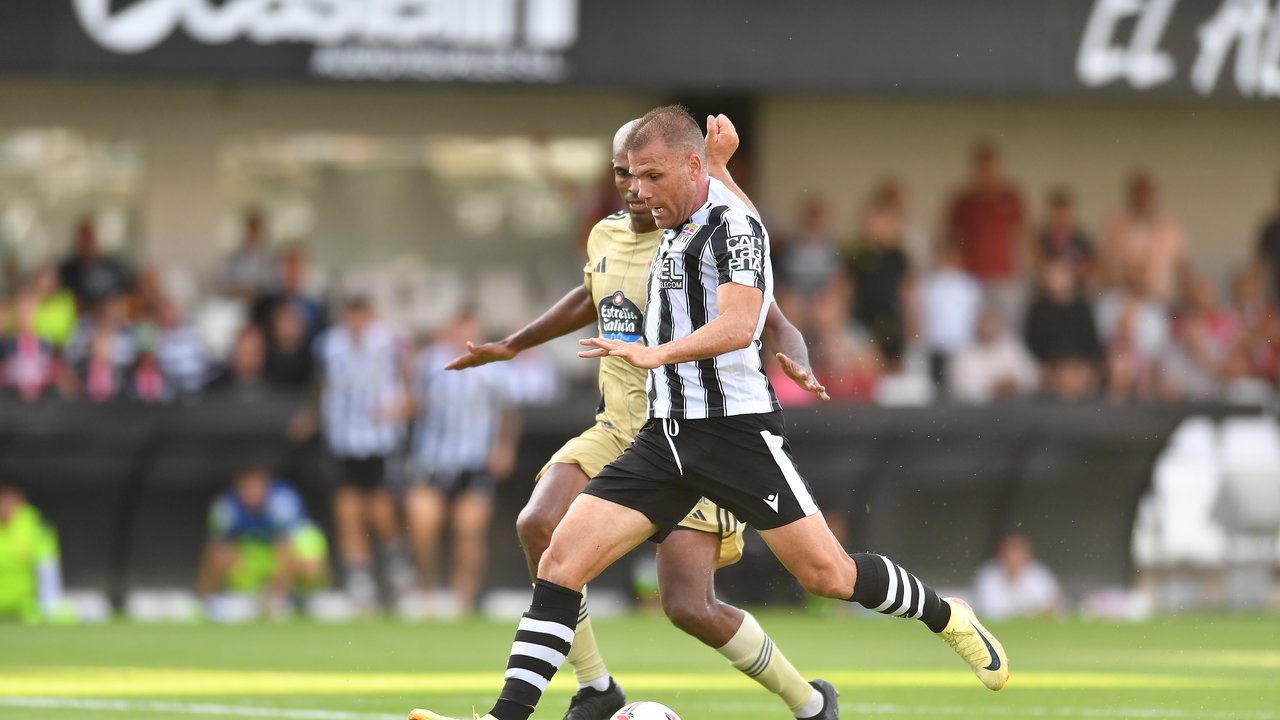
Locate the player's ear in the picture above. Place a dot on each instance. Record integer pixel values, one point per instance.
(695, 165)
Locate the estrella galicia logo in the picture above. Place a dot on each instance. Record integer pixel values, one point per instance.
(620, 319)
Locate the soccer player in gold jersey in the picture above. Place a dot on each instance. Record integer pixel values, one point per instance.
(619, 251)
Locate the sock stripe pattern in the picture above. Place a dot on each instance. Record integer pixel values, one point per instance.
(885, 587)
(543, 640)
(762, 660)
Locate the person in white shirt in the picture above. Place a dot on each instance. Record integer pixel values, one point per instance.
(950, 302)
(1014, 584)
(997, 365)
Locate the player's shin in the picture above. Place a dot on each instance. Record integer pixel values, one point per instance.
(885, 587)
(752, 651)
(543, 639)
(585, 659)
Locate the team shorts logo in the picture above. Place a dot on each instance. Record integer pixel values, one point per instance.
(746, 252)
(620, 319)
(670, 276)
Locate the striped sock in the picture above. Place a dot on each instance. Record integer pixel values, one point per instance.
(752, 651)
(885, 587)
(542, 641)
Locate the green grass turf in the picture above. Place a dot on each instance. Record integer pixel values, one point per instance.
(1204, 667)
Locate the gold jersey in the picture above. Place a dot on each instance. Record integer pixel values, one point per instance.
(617, 276)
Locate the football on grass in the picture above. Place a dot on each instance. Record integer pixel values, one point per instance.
(645, 710)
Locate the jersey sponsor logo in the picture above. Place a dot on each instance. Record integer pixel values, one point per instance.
(620, 318)
(670, 276)
(746, 252)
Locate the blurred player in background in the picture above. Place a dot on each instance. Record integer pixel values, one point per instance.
(30, 572)
(260, 541)
(362, 366)
(613, 294)
(464, 441)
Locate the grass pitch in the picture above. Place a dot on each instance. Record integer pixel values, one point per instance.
(1181, 668)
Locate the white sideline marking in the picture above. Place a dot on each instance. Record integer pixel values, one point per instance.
(870, 709)
(133, 706)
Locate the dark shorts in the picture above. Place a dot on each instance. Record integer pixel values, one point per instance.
(454, 484)
(742, 463)
(366, 473)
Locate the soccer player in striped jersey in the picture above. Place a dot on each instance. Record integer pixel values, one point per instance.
(362, 365)
(613, 294)
(714, 430)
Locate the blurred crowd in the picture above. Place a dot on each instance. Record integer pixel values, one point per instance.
(1024, 301)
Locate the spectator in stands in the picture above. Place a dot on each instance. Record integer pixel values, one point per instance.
(1131, 361)
(1014, 584)
(103, 351)
(30, 569)
(260, 541)
(147, 295)
(179, 354)
(1144, 249)
(293, 290)
(880, 273)
(464, 442)
(290, 361)
(987, 221)
(31, 365)
(243, 378)
(1269, 250)
(1062, 335)
(1062, 239)
(90, 275)
(250, 271)
(362, 365)
(844, 356)
(995, 366)
(808, 261)
(1204, 334)
(55, 306)
(950, 300)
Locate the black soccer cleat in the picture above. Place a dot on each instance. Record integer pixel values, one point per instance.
(830, 706)
(593, 704)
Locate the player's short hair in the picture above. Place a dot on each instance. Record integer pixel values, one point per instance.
(674, 126)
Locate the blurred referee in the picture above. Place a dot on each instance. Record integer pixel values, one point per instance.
(362, 364)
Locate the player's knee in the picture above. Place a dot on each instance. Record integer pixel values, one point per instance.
(535, 526)
(690, 614)
(826, 580)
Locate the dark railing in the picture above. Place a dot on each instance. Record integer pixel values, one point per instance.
(129, 486)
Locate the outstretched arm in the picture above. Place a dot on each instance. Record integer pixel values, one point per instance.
(722, 142)
(733, 329)
(788, 346)
(574, 311)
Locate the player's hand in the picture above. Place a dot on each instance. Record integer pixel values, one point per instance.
(802, 376)
(722, 141)
(639, 355)
(482, 354)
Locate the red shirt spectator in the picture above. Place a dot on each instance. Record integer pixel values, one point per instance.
(986, 220)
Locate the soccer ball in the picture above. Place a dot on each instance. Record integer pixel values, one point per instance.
(645, 710)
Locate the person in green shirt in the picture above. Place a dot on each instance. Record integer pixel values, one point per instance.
(30, 573)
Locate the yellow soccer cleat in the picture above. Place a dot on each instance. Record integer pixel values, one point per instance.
(971, 641)
(420, 714)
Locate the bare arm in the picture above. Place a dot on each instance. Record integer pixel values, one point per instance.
(733, 329)
(502, 457)
(722, 142)
(572, 312)
(789, 348)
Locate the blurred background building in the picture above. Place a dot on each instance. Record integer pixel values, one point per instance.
(1063, 214)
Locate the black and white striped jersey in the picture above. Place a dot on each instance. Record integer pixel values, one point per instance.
(363, 387)
(721, 243)
(460, 413)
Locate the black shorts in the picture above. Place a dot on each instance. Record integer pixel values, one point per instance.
(366, 473)
(454, 484)
(742, 463)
